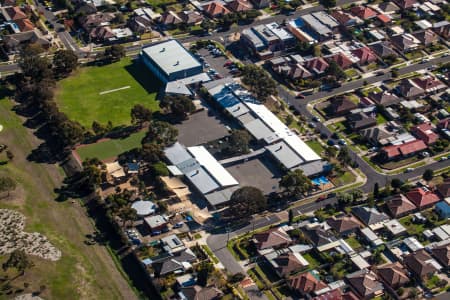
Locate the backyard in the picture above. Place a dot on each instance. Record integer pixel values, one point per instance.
(83, 271)
(110, 148)
(107, 93)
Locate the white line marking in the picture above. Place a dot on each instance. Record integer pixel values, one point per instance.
(114, 90)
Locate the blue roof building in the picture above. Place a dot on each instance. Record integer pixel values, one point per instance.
(443, 209)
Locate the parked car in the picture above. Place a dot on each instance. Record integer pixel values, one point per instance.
(330, 142)
(312, 125)
(443, 158)
(409, 170)
(342, 142)
(316, 119)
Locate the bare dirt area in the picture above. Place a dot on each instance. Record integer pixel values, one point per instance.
(83, 271)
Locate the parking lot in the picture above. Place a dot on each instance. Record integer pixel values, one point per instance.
(259, 172)
(215, 62)
(200, 128)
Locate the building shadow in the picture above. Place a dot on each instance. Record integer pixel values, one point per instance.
(144, 76)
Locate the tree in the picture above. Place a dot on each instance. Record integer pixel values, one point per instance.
(18, 260)
(127, 214)
(259, 83)
(238, 142)
(179, 105)
(328, 3)
(206, 25)
(161, 133)
(335, 71)
(7, 184)
(151, 153)
(98, 128)
(396, 183)
(65, 61)
(371, 201)
(344, 156)
(428, 175)
(140, 114)
(114, 52)
(246, 201)
(296, 183)
(376, 190)
(290, 216)
(238, 277)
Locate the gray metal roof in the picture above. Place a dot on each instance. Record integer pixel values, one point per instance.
(220, 197)
(253, 38)
(258, 129)
(171, 56)
(285, 155)
(316, 25)
(177, 153)
(313, 168)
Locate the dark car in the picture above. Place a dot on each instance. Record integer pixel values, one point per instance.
(330, 142)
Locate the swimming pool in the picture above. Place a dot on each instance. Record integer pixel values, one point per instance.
(320, 180)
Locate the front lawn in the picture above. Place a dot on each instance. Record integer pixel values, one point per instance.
(110, 148)
(353, 242)
(107, 93)
(381, 119)
(316, 146)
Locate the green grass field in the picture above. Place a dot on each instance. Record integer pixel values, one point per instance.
(79, 96)
(316, 146)
(110, 148)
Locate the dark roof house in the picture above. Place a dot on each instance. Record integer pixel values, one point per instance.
(393, 274)
(369, 215)
(442, 254)
(272, 238)
(383, 48)
(399, 206)
(341, 60)
(340, 105)
(384, 98)
(444, 188)
(361, 120)
(197, 292)
(365, 284)
(409, 89)
(426, 37)
(420, 263)
(344, 225)
(306, 283)
(179, 261)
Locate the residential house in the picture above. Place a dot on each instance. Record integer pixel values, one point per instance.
(361, 120)
(176, 262)
(345, 225)
(430, 84)
(383, 48)
(25, 25)
(14, 13)
(13, 43)
(101, 34)
(425, 132)
(403, 150)
(409, 89)
(318, 65)
(370, 216)
(363, 12)
(422, 198)
(306, 283)
(374, 135)
(399, 206)
(365, 55)
(345, 19)
(341, 60)
(340, 105)
(442, 254)
(140, 24)
(156, 223)
(239, 5)
(98, 19)
(421, 264)
(443, 189)
(442, 28)
(215, 9)
(443, 209)
(321, 238)
(405, 42)
(272, 238)
(384, 98)
(426, 37)
(261, 3)
(365, 284)
(197, 292)
(388, 7)
(384, 19)
(286, 262)
(393, 275)
(170, 19)
(190, 17)
(406, 4)
(336, 294)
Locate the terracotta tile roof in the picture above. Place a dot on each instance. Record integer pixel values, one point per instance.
(426, 133)
(271, 238)
(412, 147)
(422, 198)
(306, 283)
(363, 12)
(442, 254)
(419, 263)
(331, 295)
(15, 13)
(215, 9)
(341, 59)
(399, 205)
(342, 17)
(384, 18)
(429, 83)
(317, 64)
(240, 5)
(343, 224)
(393, 274)
(365, 283)
(365, 55)
(25, 25)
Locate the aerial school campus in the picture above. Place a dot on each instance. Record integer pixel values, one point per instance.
(225, 150)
